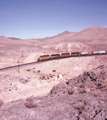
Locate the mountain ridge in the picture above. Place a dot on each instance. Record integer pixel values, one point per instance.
(91, 33)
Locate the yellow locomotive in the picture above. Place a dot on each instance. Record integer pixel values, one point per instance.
(75, 54)
(43, 58)
(64, 55)
(55, 56)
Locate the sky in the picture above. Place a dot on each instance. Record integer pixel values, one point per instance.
(27, 19)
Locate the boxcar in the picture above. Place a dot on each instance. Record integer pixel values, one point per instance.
(55, 56)
(98, 52)
(44, 57)
(102, 52)
(95, 52)
(63, 55)
(83, 53)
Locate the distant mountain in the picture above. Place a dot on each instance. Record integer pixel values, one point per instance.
(93, 38)
(63, 33)
(92, 33)
(13, 38)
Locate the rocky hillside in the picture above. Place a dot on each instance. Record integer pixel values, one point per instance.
(80, 98)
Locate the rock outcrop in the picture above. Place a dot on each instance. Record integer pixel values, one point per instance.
(80, 98)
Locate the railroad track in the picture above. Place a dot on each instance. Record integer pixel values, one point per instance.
(38, 62)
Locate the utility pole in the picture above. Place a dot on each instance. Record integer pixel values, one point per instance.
(18, 64)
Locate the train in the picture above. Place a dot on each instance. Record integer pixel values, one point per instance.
(73, 54)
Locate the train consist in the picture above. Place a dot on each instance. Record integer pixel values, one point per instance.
(73, 54)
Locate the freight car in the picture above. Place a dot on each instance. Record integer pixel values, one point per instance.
(55, 56)
(84, 53)
(98, 52)
(43, 58)
(102, 52)
(64, 55)
(74, 54)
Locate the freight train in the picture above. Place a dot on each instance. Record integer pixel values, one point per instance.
(73, 54)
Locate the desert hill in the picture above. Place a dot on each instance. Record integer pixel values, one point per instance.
(92, 33)
(93, 38)
(60, 37)
(73, 88)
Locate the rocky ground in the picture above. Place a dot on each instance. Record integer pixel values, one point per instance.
(38, 79)
(80, 98)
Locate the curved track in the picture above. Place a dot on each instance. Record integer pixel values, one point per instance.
(31, 63)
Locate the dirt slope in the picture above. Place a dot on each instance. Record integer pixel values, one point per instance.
(81, 98)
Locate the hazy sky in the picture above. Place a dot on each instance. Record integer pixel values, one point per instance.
(43, 18)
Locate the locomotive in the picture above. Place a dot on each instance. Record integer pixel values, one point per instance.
(73, 54)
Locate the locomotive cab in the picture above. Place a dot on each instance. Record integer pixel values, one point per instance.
(43, 58)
